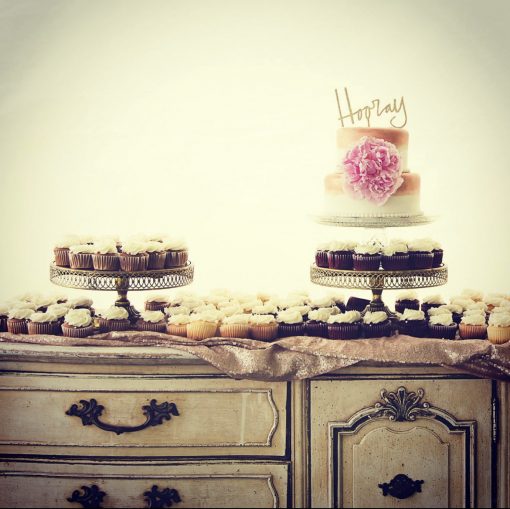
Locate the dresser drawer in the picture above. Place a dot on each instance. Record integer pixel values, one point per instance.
(130, 485)
(408, 442)
(141, 416)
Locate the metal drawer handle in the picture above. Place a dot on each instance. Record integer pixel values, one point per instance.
(91, 498)
(401, 487)
(90, 412)
(157, 499)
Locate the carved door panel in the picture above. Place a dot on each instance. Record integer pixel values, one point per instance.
(396, 443)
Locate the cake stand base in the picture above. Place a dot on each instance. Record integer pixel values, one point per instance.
(377, 304)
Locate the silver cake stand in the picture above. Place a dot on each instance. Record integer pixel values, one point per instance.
(374, 222)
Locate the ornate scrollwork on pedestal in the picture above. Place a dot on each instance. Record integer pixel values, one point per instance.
(90, 412)
(401, 405)
(158, 499)
(401, 487)
(91, 497)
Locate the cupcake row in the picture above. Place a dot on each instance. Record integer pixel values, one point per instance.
(134, 254)
(397, 254)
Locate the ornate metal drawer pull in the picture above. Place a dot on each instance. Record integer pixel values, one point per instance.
(157, 499)
(401, 487)
(91, 498)
(90, 412)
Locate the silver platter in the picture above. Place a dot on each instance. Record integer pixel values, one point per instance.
(375, 222)
(119, 280)
(379, 279)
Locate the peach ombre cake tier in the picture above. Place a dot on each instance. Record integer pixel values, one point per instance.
(372, 178)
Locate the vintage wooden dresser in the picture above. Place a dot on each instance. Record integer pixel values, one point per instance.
(138, 427)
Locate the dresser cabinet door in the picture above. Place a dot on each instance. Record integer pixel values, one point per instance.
(204, 484)
(401, 443)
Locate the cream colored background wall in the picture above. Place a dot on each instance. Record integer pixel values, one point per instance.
(217, 119)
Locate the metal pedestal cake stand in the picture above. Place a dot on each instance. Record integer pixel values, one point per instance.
(122, 282)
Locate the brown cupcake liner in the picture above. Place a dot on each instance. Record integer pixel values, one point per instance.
(234, 330)
(3, 324)
(267, 332)
(142, 325)
(315, 328)
(155, 306)
(177, 330)
(366, 261)
(340, 260)
(176, 259)
(401, 305)
(498, 335)
(61, 256)
(157, 260)
(80, 261)
(344, 330)
(442, 331)
(438, 258)
(286, 330)
(414, 328)
(133, 263)
(202, 330)
(420, 260)
(77, 332)
(41, 327)
(395, 262)
(15, 326)
(108, 261)
(106, 325)
(377, 330)
(321, 259)
(472, 331)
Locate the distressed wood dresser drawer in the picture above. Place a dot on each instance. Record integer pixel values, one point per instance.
(104, 415)
(205, 484)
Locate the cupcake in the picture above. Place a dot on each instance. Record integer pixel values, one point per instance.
(437, 251)
(304, 310)
(321, 301)
(250, 304)
(177, 310)
(157, 303)
(42, 323)
(290, 323)
(177, 325)
(234, 309)
(151, 321)
(376, 324)
(321, 255)
(134, 257)
(77, 324)
(473, 327)
(431, 301)
(317, 324)
(61, 250)
(80, 256)
(407, 299)
(17, 320)
(420, 254)
(157, 255)
(115, 318)
(456, 312)
(345, 325)
(4, 315)
(263, 327)
(81, 303)
(105, 256)
(498, 331)
(268, 308)
(412, 322)
(367, 257)
(442, 326)
(235, 326)
(493, 301)
(204, 325)
(340, 255)
(292, 301)
(176, 252)
(43, 302)
(58, 311)
(395, 256)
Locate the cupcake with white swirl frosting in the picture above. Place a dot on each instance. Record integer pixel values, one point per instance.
(176, 252)
(442, 326)
(412, 322)
(420, 254)
(177, 325)
(367, 257)
(317, 324)
(157, 303)
(473, 327)
(115, 318)
(345, 325)
(235, 326)
(157, 255)
(395, 256)
(376, 324)
(17, 321)
(151, 321)
(263, 327)
(80, 256)
(106, 255)
(339, 255)
(134, 257)
(42, 323)
(61, 250)
(78, 323)
(498, 331)
(290, 323)
(204, 325)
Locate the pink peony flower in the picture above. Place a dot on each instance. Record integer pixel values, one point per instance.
(372, 170)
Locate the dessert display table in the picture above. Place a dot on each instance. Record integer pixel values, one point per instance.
(156, 426)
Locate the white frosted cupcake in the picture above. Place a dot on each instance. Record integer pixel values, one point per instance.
(78, 323)
(42, 323)
(151, 321)
(157, 303)
(442, 326)
(177, 325)
(263, 327)
(177, 310)
(61, 249)
(17, 321)
(235, 326)
(432, 301)
(80, 256)
(498, 331)
(105, 255)
(204, 325)
(473, 327)
(421, 254)
(345, 325)
(176, 252)
(114, 318)
(134, 256)
(290, 323)
(157, 255)
(367, 257)
(376, 324)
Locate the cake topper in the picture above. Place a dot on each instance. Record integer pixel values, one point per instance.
(397, 107)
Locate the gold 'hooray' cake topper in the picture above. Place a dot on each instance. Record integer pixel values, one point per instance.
(376, 107)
